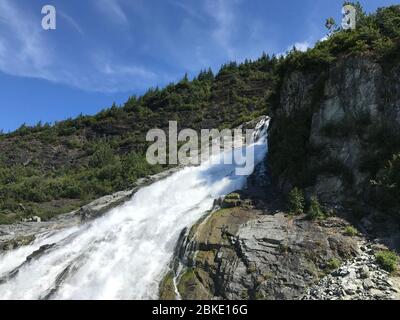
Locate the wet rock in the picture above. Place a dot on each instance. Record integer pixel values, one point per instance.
(102, 205)
(41, 251)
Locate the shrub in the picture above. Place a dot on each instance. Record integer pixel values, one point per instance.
(333, 264)
(4, 219)
(387, 260)
(388, 183)
(350, 231)
(296, 201)
(103, 156)
(233, 196)
(315, 210)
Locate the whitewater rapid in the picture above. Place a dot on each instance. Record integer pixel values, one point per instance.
(125, 253)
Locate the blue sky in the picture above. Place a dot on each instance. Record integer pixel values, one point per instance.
(106, 50)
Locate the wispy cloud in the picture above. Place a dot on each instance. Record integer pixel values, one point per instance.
(26, 50)
(222, 13)
(127, 70)
(113, 10)
(22, 49)
(157, 49)
(190, 11)
(71, 21)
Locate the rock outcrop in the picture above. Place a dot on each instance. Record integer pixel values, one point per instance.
(332, 131)
(247, 253)
(241, 252)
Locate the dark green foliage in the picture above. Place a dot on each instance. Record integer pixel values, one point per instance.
(384, 142)
(376, 35)
(387, 184)
(296, 201)
(388, 21)
(315, 211)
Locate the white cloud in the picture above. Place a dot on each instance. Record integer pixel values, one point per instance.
(128, 70)
(301, 46)
(324, 38)
(22, 50)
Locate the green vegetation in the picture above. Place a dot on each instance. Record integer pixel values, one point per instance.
(167, 287)
(232, 200)
(296, 201)
(233, 196)
(333, 264)
(377, 35)
(315, 210)
(387, 260)
(388, 183)
(350, 231)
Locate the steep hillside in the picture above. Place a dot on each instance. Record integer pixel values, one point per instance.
(45, 170)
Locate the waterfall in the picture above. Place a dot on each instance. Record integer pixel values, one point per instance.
(123, 254)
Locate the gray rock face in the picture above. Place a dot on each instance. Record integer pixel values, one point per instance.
(343, 107)
(351, 95)
(241, 253)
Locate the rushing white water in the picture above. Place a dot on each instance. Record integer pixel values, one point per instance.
(124, 254)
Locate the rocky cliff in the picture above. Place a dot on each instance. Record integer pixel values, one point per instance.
(344, 122)
(331, 133)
